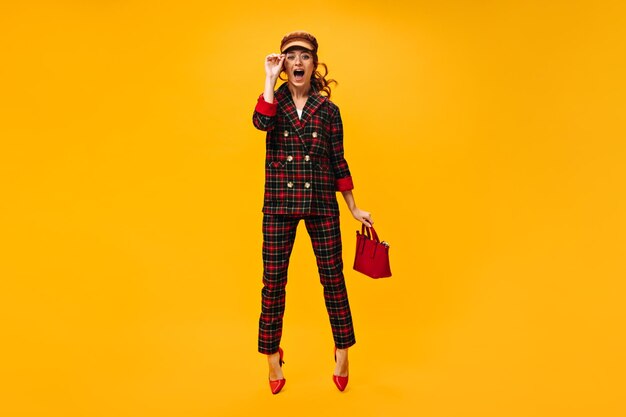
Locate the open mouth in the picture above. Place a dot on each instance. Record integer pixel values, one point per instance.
(298, 74)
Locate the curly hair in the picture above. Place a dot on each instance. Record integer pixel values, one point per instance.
(318, 80)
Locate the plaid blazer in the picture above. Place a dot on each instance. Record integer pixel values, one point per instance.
(304, 161)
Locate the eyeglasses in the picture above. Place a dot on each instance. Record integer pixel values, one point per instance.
(304, 56)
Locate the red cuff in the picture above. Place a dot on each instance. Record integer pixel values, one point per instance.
(265, 108)
(344, 184)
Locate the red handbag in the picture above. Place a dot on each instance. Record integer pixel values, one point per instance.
(372, 255)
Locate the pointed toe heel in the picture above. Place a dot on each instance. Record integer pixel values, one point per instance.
(277, 385)
(340, 381)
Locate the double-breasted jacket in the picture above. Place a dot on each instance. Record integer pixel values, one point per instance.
(304, 161)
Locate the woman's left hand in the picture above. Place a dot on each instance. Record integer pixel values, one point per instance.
(363, 216)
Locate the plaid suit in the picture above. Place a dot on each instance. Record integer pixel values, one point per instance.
(304, 162)
(304, 167)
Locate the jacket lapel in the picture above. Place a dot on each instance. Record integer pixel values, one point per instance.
(288, 107)
(312, 104)
(286, 104)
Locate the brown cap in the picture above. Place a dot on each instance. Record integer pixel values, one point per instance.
(303, 39)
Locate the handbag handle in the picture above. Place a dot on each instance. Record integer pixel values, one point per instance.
(366, 232)
(372, 236)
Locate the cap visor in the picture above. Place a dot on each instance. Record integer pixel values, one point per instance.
(303, 44)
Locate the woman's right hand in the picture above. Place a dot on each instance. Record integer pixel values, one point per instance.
(274, 65)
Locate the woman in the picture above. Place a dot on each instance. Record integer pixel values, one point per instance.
(304, 167)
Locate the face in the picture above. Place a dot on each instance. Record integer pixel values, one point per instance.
(299, 67)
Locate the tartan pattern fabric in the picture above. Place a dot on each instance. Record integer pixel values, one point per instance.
(279, 234)
(304, 163)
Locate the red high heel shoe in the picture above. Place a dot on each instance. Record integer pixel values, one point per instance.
(340, 381)
(278, 384)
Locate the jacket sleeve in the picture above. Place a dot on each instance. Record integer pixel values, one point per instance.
(264, 116)
(343, 179)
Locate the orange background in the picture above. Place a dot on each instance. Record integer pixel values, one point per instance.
(487, 139)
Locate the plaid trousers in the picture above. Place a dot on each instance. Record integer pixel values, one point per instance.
(279, 233)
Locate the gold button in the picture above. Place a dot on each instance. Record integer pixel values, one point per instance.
(307, 185)
(307, 158)
(290, 184)
(290, 158)
(314, 134)
(286, 133)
